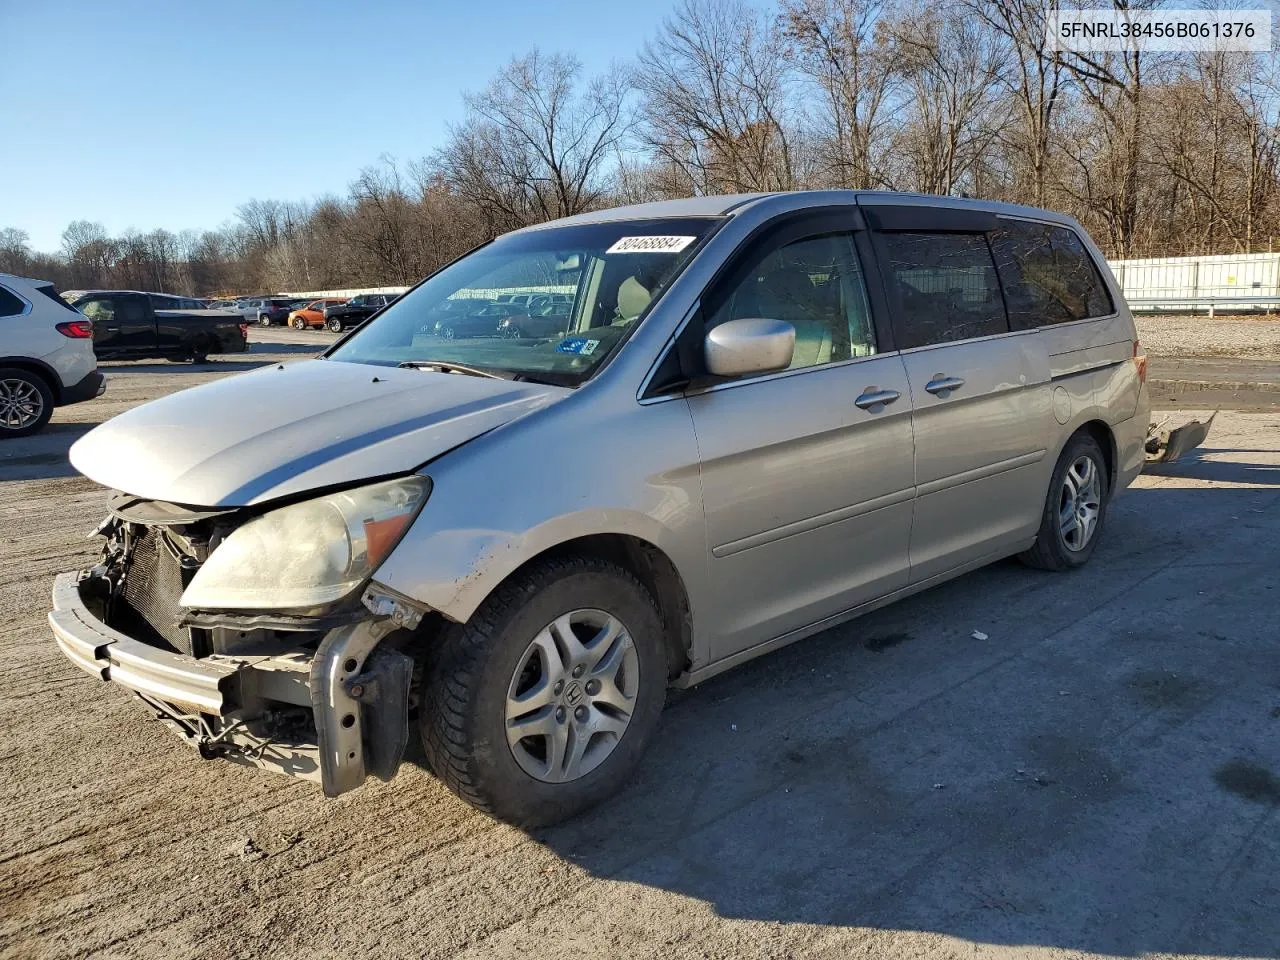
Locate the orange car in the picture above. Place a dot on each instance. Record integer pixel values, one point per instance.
(312, 315)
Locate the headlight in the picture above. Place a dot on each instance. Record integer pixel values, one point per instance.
(310, 553)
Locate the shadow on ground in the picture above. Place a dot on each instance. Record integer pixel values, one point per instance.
(1099, 773)
(44, 455)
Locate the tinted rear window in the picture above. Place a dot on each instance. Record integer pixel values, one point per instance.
(1048, 275)
(945, 287)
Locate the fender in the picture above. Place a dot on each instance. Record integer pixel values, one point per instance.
(40, 367)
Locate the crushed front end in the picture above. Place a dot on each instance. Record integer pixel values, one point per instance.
(322, 694)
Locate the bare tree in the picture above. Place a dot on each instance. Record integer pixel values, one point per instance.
(536, 143)
(840, 45)
(1033, 81)
(950, 67)
(714, 84)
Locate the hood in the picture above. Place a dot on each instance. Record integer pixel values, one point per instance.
(289, 428)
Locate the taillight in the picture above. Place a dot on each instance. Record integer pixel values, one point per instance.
(76, 329)
(244, 330)
(1140, 361)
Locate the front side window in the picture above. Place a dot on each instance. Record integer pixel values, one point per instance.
(816, 285)
(1048, 275)
(943, 286)
(481, 311)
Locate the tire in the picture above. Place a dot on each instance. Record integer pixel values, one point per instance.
(26, 403)
(299, 323)
(335, 325)
(467, 690)
(512, 333)
(199, 358)
(447, 332)
(264, 320)
(1054, 548)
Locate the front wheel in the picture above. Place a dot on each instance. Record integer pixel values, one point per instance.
(448, 332)
(335, 325)
(264, 320)
(542, 704)
(299, 323)
(1074, 509)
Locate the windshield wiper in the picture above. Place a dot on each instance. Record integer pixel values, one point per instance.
(445, 366)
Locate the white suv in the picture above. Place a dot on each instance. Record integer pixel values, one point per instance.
(46, 356)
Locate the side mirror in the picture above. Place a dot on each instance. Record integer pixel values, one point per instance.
(749, 345)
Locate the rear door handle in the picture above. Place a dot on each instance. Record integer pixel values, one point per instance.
(871, 398)
(941, 386)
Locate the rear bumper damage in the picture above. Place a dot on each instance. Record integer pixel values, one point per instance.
(1165, 446)
(335, 713)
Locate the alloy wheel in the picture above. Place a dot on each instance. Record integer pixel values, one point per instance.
(20, 404)
(572, 695)
(1080, 503)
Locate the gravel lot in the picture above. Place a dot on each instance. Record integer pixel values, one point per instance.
(1201, 337)
(1097, 776)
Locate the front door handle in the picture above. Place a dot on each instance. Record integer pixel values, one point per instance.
(941, 386)
(873, 398)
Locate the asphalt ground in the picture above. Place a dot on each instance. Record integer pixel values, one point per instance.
(1097, 774)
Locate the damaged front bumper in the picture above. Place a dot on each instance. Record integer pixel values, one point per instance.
(334, 714)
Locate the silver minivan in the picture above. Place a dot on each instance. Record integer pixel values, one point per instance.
(765, 415)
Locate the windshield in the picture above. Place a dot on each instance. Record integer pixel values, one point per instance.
(548, 304)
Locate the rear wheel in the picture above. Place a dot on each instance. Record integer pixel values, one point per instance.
(448, 332)
(26, 402)
(1074, 509)
(542, 704)
(335, 325)
(264, 320)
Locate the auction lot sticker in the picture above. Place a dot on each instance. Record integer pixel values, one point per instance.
(650, 244)
(1087, 31)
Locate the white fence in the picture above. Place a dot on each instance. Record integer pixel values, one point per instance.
(1234, 282)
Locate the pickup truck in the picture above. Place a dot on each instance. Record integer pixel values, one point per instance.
(344, 316)
(133, 325)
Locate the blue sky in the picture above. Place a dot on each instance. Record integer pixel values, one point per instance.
(170, 113)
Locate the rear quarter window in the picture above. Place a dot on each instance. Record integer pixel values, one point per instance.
(11, 304)
(1048, 275)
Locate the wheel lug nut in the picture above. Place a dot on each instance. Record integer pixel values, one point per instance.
(593, 687)
(580, 713)
(559, 714)
(558, 687)
(577, 671)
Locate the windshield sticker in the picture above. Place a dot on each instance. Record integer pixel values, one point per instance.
(579, 345)
(650, 244)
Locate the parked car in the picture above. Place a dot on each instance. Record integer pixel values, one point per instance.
(772, 413)
(311, 315)
(544, 320)
(134, 325)
(341, 316)
(481, 321)
(46, 356)
(266, 311)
